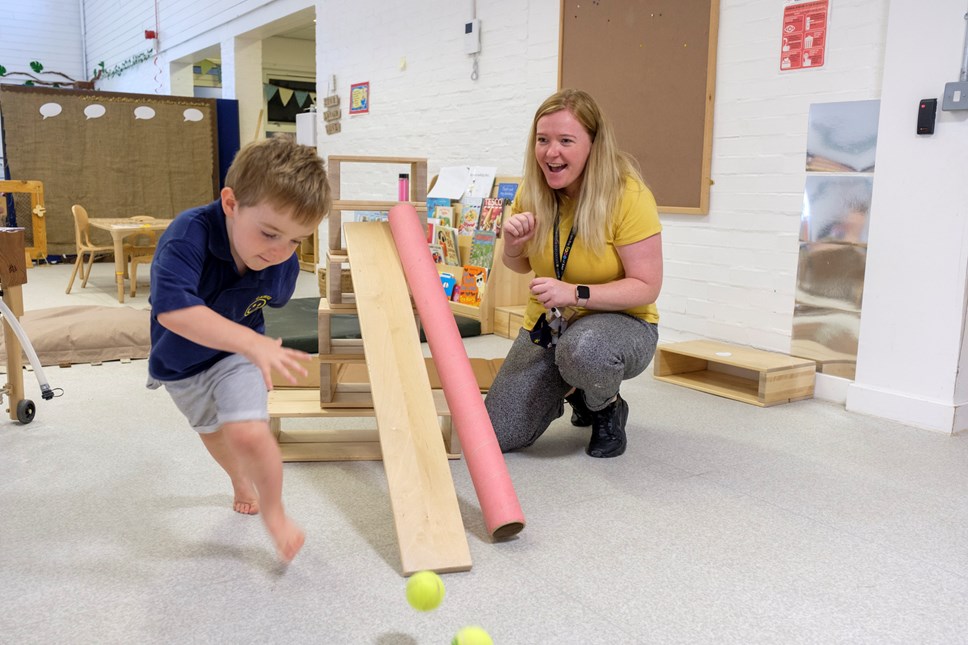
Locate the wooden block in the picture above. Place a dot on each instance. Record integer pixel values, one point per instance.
(13, 258)
(311, 380)
(742, 373)
(508, 320)
(430, 531)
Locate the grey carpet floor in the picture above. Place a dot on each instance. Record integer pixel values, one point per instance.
(723, 523)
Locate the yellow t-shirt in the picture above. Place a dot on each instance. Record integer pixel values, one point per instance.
(636, 220)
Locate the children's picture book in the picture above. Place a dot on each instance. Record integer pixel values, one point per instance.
(480, 181)
(370, 216)
(446, 238)
(435, 202)
(482, 249)
(437, 253)
(492, 212)
(470, 212)
(507, 190)
(445, 214)
(431, 231)
(472, 285)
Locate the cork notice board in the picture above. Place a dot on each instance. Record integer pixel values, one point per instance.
(651, 65)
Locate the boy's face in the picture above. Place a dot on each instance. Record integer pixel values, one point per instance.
(260, 236)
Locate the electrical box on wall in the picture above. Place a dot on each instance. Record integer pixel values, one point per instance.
(955, 96)
(472, 36)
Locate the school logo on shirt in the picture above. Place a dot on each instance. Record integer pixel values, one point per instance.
(258, 304)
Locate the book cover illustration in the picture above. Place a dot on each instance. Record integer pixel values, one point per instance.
(370, 216)
(470, 212)
(472, 285)
(492, 213)
(437, 253)
(446, 238)
(507, 190)
(482, 249)
(433, 203)
(445, 214)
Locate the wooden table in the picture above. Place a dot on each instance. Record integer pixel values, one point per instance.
(120, 228)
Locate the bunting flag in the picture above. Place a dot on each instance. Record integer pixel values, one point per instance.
(285, 95)
(207, 65)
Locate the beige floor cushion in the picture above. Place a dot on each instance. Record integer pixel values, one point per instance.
(85, 334)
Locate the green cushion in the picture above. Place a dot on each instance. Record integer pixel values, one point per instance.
(297, 325)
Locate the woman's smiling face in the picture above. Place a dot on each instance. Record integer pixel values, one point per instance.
(561, 148)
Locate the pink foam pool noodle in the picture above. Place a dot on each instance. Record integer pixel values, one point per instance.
(489, 473)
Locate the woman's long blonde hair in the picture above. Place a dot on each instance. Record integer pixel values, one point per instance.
(601, 183)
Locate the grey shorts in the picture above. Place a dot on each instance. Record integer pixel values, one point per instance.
(230, 391)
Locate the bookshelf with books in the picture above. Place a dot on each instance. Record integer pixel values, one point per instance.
(502, 287)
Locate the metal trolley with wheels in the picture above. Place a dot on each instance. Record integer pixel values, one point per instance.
(13, 274)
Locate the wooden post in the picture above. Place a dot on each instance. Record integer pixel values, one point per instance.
(13, 274)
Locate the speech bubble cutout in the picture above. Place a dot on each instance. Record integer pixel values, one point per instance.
(191, 114)
(50, 109)
(94, 111)
(144, 112)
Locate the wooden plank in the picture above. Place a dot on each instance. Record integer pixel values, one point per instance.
(344, 451)
(430, 532)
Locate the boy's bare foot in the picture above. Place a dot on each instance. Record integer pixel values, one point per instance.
(246, 499)
(288, 537)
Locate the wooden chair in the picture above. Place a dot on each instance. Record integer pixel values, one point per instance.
(82, 235)
(142, 251)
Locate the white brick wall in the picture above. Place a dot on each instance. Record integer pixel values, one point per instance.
(731, 275)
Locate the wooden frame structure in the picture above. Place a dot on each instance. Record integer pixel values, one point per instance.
(37, 209)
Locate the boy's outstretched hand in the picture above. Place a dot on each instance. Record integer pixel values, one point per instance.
(268, 354)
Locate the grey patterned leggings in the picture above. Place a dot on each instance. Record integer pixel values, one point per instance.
(594, 354)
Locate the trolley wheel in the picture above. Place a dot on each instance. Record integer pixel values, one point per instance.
(26, 411)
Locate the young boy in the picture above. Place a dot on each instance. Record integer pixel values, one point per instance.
(214, 270)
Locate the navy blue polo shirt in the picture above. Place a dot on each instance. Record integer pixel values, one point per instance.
(193, 265)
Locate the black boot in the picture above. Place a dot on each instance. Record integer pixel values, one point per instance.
(608, 430)
(581, 415)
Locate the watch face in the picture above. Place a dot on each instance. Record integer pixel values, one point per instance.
(584, 292)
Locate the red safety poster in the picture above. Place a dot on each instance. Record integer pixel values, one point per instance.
(804, 35)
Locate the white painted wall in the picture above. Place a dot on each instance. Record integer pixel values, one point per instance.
(424, 102)
(48, 31)
(914, 297)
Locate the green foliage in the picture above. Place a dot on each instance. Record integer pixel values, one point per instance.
(128, 63)
(37, 66)
(3, 70)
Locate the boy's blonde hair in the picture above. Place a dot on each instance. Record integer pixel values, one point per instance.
(290, 177)
(603, 180)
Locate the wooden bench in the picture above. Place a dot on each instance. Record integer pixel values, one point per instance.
(742, 373)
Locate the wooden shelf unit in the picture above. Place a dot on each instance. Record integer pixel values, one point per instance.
(504, 287)
(745, 374)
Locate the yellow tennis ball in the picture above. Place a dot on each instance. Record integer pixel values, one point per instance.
(472, 635)
(425, 590)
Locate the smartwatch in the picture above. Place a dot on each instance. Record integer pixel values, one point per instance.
(582, 294)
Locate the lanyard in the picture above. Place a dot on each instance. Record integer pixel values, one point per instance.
(562, 259)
